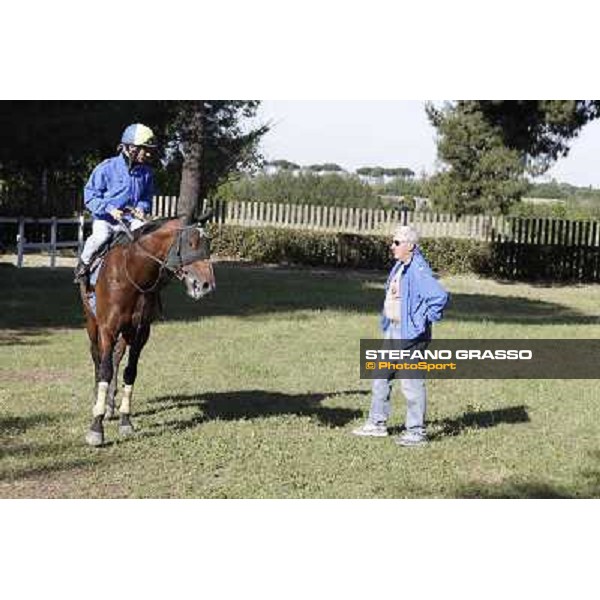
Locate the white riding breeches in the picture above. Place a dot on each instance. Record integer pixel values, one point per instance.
(135, 224)
(102, 231)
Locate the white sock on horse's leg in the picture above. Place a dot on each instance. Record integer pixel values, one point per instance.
(100, 406)
(125, 407)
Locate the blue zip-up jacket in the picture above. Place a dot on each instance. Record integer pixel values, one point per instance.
(112, 185)
(422, 298)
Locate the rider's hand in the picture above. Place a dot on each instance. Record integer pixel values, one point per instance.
(116, 214)
(138, 213)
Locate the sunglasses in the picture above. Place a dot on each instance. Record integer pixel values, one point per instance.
(396, 242)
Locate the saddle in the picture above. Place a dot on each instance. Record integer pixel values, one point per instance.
(121, 238)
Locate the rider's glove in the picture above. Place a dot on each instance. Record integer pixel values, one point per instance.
(116, 214)
(138, 213)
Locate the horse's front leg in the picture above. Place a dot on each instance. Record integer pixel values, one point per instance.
(136, 344)
(95, 435)
(92, 330)
(118, 352)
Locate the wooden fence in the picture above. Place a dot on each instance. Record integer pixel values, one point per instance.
(549, 249)
(342, 219)
(521, 247)
(379, 221)
(46, 235)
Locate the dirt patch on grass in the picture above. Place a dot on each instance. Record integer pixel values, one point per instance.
(44, 484)
(75, 483)
(62, 478)
(490, 477)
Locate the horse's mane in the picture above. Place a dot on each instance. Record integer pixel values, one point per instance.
(122, 239)
(151, 226)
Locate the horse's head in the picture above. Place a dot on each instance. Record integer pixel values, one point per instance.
(196, 270)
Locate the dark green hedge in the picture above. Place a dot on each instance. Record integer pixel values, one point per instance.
(287, 246)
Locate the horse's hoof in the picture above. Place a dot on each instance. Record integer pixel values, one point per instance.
(126, 430)
(94, 438)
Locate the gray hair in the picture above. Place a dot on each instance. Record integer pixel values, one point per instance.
(405, 233)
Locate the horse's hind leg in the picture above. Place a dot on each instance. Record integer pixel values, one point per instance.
(136, 344)
(118, 352)
(95, 435)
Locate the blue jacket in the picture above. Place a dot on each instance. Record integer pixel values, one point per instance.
(112, 185)
(422, 298)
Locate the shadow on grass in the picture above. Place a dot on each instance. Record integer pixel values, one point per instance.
(248, 291)
(442, 428)
(507, 490)
(17, 425)
(23, 337)
(251, 404)
(585, 484)
(514, 309)
(479, 420)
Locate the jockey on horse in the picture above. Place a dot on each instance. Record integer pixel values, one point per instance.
(119, 188)
(124, 299)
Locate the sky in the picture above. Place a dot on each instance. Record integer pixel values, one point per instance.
(388, 133)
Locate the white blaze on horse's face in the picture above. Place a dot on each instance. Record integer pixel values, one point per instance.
(199, 279)
(199, 276)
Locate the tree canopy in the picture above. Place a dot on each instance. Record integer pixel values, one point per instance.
(402, 172)
(489, 146)
(303, 188)
(59, 142)
(210, 140)
(57, 134)
(325, 168)
(283, 164)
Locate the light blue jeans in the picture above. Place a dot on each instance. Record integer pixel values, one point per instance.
(413, 389)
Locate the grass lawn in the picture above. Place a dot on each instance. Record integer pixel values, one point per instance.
(253, 392)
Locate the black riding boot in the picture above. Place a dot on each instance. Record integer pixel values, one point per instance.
(81, 273)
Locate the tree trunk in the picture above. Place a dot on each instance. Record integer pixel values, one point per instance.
(191, 189)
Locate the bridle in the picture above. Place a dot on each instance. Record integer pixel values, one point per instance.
(179, 255)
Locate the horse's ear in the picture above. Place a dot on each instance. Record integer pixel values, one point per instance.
(205, 216)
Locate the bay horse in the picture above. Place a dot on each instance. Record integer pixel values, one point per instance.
(127, 300)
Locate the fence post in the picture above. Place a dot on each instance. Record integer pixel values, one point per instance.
(20, 241)
(80, 227)
(53, 235)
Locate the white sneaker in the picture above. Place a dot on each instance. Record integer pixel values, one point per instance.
(371, 430)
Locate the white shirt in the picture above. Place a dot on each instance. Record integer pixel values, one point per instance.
(391, 306)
